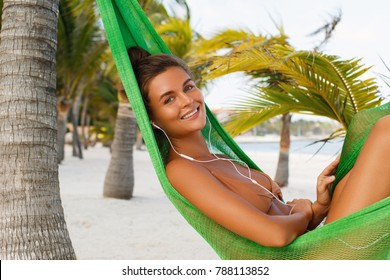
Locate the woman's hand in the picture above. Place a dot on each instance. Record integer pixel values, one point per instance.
(301, 205)
(320, 207)
(324, 183)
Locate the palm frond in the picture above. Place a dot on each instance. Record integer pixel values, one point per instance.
(177, 34)
(251, 60)
(228, 38)
(300, 81)
(226, 44)
(343, 73)
(81, 47)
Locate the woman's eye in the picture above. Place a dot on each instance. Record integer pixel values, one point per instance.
(188, 87)
(168, 100)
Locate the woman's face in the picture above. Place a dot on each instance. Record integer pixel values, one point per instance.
(176, 103)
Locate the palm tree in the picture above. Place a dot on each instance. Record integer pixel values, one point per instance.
(102, 108)
(318, 84)
(81, 53)
(119, 179)
(289, 81)
(315, 83)
(31, 217)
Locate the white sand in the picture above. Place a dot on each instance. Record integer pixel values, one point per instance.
(148, 226)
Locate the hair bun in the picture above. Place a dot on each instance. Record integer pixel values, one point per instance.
(137, 54)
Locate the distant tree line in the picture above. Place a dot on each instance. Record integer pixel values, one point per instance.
(300, 127)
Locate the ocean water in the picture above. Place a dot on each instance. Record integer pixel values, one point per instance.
(296, 147)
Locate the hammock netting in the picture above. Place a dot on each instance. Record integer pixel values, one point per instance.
(362, 235)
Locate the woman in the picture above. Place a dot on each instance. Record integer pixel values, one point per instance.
(212, 182)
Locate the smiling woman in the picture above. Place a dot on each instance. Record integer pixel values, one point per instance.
(211, 182)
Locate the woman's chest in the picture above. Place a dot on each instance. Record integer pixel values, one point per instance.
(238, 179)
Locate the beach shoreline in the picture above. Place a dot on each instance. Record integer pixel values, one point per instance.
(148, 227)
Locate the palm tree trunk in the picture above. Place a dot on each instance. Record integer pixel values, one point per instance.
(281, 176)
(119, 180)
(85, 122)
(75, 113)
(76, 143)
(63, 110)
(31, 215)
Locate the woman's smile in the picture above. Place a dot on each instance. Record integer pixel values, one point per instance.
(191, 115)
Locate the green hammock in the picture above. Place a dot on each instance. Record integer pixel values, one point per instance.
(362, 235)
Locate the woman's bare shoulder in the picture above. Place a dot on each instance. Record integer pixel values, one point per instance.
(181, 170)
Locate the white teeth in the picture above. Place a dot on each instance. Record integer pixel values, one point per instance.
(190, 114)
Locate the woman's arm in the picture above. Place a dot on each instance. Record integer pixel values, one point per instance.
(228, 209)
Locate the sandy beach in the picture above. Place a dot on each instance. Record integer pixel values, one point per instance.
(148, 227)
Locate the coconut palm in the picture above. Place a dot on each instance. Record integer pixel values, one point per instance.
(80, 56)
(119, 179)
(31, 216)
(102, 109)
(314, 83)
(286, 81)
(318, 84)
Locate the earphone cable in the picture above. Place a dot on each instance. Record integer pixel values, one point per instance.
(249, 177)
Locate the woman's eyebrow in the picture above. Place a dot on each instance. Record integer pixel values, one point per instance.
(186, 81)
(165, 94)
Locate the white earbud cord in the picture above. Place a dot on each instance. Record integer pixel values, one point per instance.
(249, 177)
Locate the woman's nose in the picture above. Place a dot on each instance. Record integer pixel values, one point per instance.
(185, 99)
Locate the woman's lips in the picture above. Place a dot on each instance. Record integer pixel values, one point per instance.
(190, 114)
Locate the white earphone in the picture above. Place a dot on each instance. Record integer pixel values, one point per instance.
(182, 155)
(155, 125)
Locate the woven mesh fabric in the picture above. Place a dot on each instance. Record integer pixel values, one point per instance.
(362, 235)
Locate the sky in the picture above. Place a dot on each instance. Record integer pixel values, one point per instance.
(363, 31)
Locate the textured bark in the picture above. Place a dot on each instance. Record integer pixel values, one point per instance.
(32, 224)
(76, 144)
(119, 180)
(62, 118)
(85, 122)
(282, 170)
(75, 113)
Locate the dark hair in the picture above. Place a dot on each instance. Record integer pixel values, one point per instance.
(147, 66)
